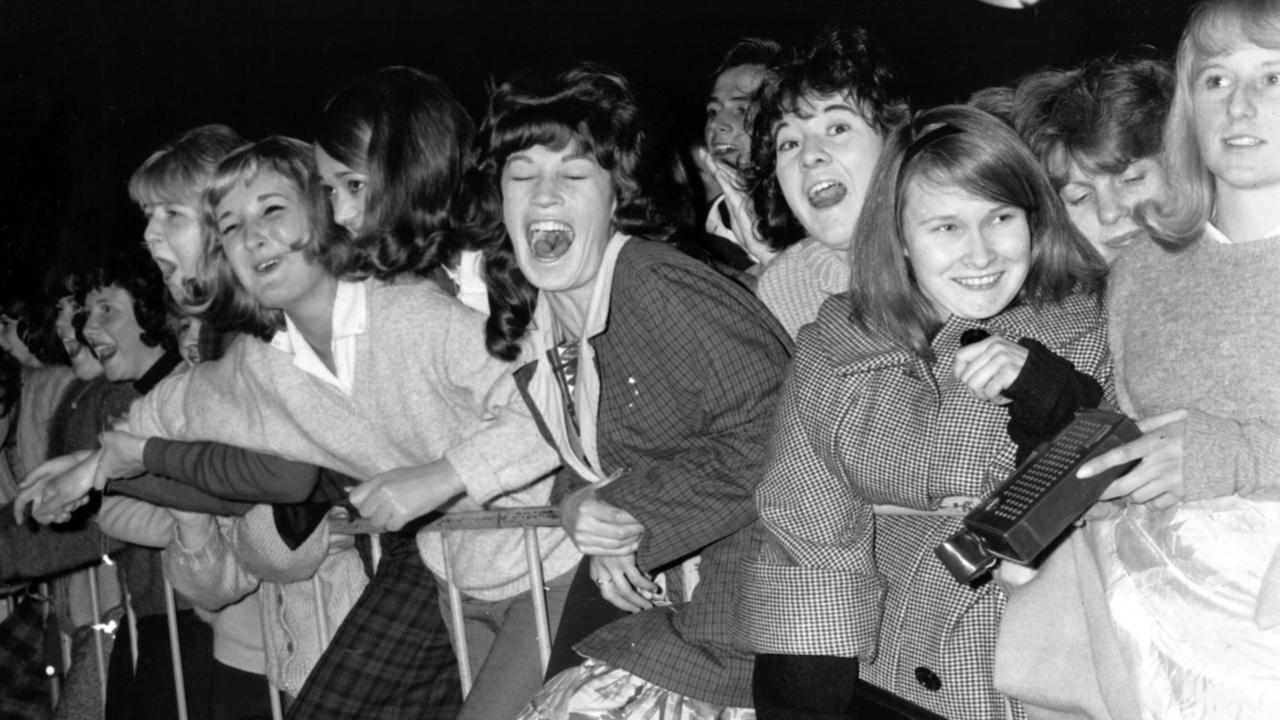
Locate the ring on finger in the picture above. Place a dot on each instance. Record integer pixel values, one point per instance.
(603, 581)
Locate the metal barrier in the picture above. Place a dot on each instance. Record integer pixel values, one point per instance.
(526, 519)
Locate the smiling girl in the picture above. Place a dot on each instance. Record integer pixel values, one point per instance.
(848, 610)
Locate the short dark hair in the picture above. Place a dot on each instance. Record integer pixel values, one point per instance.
(748, 51)
(131, 270)
(839, 61)
(1105, 114)
(593, 107)
(410, 135)
(977, 152)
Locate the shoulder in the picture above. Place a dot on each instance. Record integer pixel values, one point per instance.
(416, 305)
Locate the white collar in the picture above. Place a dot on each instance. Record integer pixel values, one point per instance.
(350, 319)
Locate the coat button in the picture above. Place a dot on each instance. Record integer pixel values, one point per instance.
(928, 679)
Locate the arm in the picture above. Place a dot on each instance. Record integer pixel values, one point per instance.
(507, 452)
(816, 569)
(718, 349)
(207, 573)
(261, 551)
(135, 521)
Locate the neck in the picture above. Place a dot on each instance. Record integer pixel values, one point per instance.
(570, 310)
(147, 359)
(1244, 215)
(313, 316)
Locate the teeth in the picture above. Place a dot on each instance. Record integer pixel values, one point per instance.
(827, 193)
(104, 351)
(266, 265)
(820, 187)
(979, 282)
(1243, 141)
(549, 226)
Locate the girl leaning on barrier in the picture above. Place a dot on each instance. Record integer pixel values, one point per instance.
(655, 376)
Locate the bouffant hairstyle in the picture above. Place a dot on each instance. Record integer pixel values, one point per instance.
(593, 108)
(958, 146)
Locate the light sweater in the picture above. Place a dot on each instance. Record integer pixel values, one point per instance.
(796, 283)
(424, 388)
(218, 575)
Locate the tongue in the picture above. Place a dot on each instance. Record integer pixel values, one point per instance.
(551, 244)
(828, 196)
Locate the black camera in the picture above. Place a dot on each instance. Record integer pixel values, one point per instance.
(1040, 500)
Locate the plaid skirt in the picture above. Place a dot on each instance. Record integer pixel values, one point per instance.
(598, 691)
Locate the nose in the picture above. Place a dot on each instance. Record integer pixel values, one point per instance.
(152, 233)
(978, 253)
(1112, 206)
(722, 122)
(344, 211)
(813, 152)
(1241, 102)
(92, 323)
(546, 191)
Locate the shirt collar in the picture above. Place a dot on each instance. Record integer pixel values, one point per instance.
(350, 318)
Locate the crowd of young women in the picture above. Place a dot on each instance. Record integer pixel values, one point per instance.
(411, 317)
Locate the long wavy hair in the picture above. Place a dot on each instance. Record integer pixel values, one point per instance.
(1214, 28)
(839, 61)
(426, 200)
(217, 295)
(595, 109)
(959, 146)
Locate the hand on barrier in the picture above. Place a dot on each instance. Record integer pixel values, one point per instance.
(122, 455)
(56, 487)
(989, 366)
(394, 498)
(597, 527)
(1157, 480)
(622, 583)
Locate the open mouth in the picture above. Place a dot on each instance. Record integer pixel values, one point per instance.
(980, 282)
(267, 266)
(827, 193)
(105, 352)
(549, 239)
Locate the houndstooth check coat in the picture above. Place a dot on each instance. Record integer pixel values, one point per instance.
(865, 422)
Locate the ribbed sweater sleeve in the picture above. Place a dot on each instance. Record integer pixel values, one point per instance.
(231, 472)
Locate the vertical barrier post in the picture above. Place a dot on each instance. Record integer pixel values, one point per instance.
(269, 651)
(95, 603)
(55, 687)
(175, 650)
(538, 591)
(455, 613)
(322, 618)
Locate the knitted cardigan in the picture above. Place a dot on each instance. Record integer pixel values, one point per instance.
(424, 388)
(796, 283)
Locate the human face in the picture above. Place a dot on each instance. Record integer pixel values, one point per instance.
(1100, 204)
(728, 112)
(262, 226)
(346, 188)
(83, 363)
(174, 240)
(969, 255)
(558, 208)
(189, 340)
(12, 342)
(1236, 105)
(825, 155)
(114, 334)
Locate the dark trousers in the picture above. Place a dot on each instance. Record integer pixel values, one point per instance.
(239, 695)
(147, 692)
(584, 613)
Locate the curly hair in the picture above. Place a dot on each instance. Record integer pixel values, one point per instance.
(1104, 115)
(957, 145)
(132, 271)
(426, 198)
(593, 108)
(217, 295)
(839, 61)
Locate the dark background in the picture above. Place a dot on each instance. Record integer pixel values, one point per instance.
(91, 87)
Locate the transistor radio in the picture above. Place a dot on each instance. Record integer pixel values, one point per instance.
(1040, 500)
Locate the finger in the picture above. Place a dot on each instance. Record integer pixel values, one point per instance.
(358, 494)
(1128, 452)
(608, 529)
(604, 551)
(619, 592)
(1164, 501)
(640, 582)
(1155, 422)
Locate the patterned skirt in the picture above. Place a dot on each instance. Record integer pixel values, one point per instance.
(598, 691)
